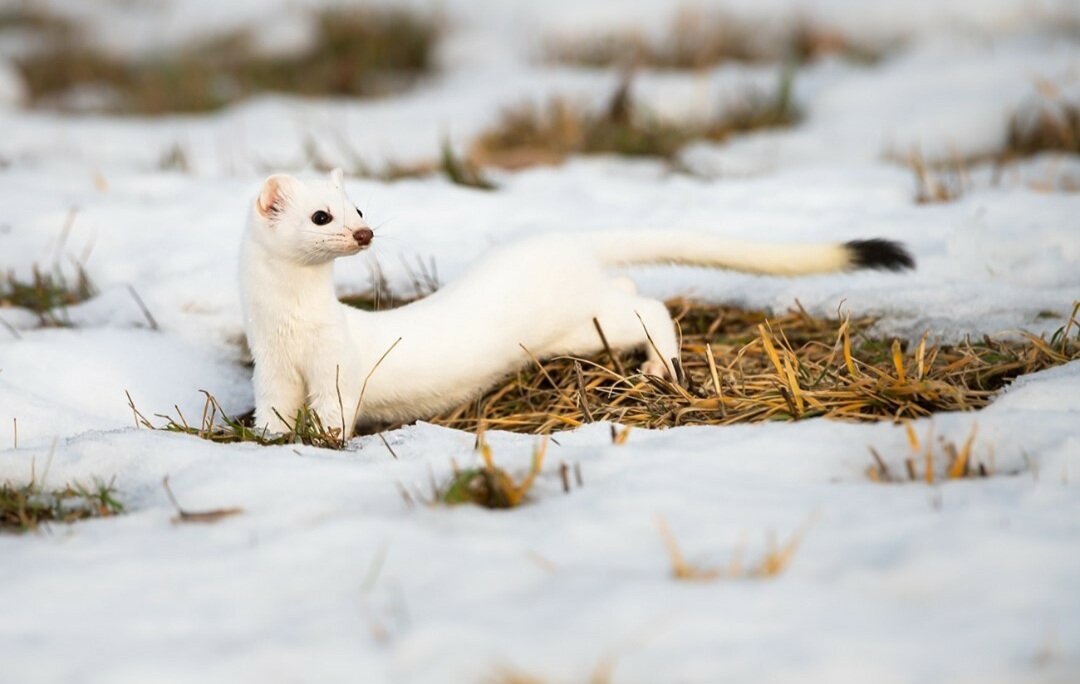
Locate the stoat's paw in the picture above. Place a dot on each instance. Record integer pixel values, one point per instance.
(656, 367)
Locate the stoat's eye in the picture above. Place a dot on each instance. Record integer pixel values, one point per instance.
(321, 218)
(360, 212)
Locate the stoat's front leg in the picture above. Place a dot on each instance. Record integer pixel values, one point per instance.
(279, 394)
(334, 377)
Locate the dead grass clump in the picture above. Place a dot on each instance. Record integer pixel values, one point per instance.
(355, 51)
(26, 507)
(937, 182)
(489, 486)
(742, 366)
(773, 562)
(808, 41)
(46, 294)
(693, 41)
(1048, 124)
(1051, 125)
(953, 463)
(698, 39)
(528, 135)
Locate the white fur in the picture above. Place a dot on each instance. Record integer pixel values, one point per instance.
(539, 294)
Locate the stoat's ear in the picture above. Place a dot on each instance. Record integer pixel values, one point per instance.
(337, 177)
(274, 195)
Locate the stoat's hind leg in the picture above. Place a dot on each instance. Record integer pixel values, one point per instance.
(628, 322)
(658, 330)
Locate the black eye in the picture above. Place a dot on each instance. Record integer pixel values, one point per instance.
(321, 218)
(360, 212)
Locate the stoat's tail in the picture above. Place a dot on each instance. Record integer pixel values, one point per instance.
(624, 248)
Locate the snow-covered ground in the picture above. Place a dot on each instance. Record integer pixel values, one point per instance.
(329, 576)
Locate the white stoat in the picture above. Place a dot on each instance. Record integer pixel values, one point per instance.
(539, 294)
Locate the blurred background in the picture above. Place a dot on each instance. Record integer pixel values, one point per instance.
(464, 88)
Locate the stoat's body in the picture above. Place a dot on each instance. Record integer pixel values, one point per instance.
(540, 294)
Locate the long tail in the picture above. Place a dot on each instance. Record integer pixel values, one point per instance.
(624, 248)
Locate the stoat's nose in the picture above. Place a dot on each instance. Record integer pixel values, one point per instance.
(363, 236)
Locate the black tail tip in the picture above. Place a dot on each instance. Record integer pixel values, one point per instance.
(878, 253)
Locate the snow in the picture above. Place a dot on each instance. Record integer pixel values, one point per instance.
(329, 575)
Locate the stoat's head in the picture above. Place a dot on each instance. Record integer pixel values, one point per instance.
(309, 222)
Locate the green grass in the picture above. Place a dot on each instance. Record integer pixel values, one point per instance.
(27, 507)
(217, 426)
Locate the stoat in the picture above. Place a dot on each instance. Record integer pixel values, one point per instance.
(539, 294)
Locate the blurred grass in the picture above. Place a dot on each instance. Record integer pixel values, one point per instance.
(1049, 124)
(527, 135)
(450, 165)
(47, 294)
(774, 560)
(936, 182)
(488, 485)
(355, 51)
(952, 463)
(699, 38)
(26, 507)
(1052, 125)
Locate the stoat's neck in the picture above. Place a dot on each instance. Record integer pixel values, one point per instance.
(277, 291)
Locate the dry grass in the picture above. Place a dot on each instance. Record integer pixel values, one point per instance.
(26, 507)
(776, 558)
(355, 52)
(936, 182)
(748, 366)
(1052, 126)
(952, 463)
(527, 135)
(698, 39)
(602, 673)
(47, 294)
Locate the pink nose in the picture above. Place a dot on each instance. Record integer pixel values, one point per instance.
(363, 236)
